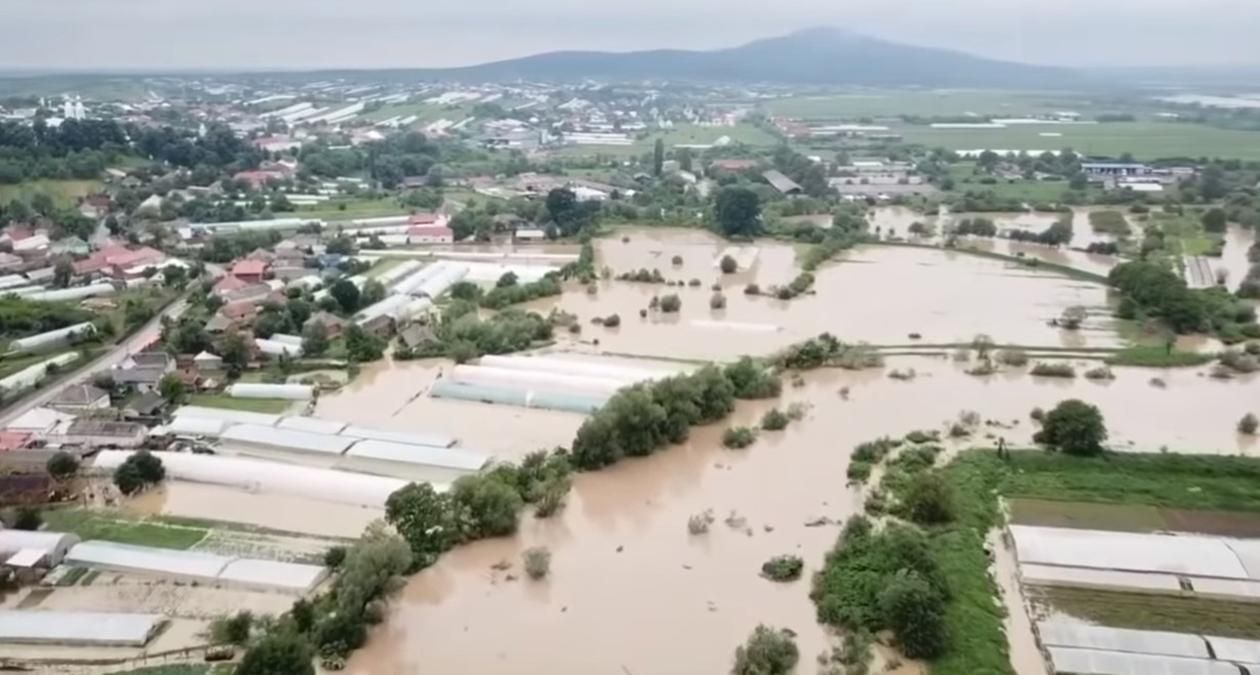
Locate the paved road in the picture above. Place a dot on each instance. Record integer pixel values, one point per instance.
(122, 350)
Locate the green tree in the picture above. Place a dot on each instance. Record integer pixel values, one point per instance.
(62, 465)
(728, 265)
(1078, 181)
(915, 611)
(235, 354)
(277, 654)
(314, 339)
(738, 212)
(768, 651)
(426, 519)
(346, 294)
(929, 500)
(492, 506)
(685, 160)
(1075, 427)
(172, 388)
(508, 279)
(372, 293)
(175, 276)
(362, 346)
(658, 158)
(63, 272)
(1215, 220)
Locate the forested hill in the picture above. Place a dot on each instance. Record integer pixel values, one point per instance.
(817, 56)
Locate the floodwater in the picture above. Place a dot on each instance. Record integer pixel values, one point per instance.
(1233, 260)
(631, 591)
(875, 294)
(274, 512)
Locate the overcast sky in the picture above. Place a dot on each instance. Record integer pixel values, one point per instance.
(255, 34)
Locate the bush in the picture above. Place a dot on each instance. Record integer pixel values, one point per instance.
(62, 465)
(676, 260)
(334, 557)
(1248, 424)
(232, 629)
(1100, 373)
(612, 321)
(27, 518)
(915, 612)
(767, 652)
(279, 653)
(1044, 369)
(774, 420)
(929, 500)
(738, 437)
(752, 379)
(718, 301)
(537, 562)
(783, 568)
(728, 265)
(1239, 361)
(699, 523)
(858, 471)
(1016, 358)
(874, 451)
(1075, 427)
(670, 303)
(752, 289)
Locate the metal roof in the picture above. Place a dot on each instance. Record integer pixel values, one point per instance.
(1233, 649)
(446, 458)
(1174, 554)
(88, 628)
(311, 424)
(409, 437)
(286, 439)
(272, 574)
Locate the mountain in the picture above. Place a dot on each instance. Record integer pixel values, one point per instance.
(818, 56)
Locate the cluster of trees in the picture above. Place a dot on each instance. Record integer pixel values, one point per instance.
(462, 335)
(807, 173)
(768, 651)
(975, 227)
(75, 149)
(139, 471)
(344, 297)
(1075, 427)
(477, 506)
(226, 248)
(1058, 234)
(287, 318)
(568, 215)
(1152, 290)
(885, 580)
(19, 318)
(506, 294)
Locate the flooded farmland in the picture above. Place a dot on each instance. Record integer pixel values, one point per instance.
(632, 591)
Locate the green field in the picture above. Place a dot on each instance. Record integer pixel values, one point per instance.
(951, 103)
(686, 134)
(1045, 191)
(1144, 140)
(64, 192)
(271, 406)
(96, 525)
(350, 209)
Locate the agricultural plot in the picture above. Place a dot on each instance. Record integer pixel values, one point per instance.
(1144, 140)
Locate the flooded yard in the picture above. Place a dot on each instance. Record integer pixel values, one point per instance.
(631, 590)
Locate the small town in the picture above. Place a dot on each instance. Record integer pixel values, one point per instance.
(630, 363)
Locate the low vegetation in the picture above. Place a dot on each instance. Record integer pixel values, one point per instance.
(1111, 223)
(537, 562)
(1151, 356)
(768, 651)
(737, 438)
(1152, 290)
(783, 568)
(1046, 369)
(774, 420)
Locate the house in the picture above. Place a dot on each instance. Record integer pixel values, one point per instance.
(208, 363)
(782, 183)
(253, 293)
(144, 406)
(144, 371)
(251, 270)
(14, 440)
(241, 311)
(227, 285)
(80, 398)
(333, 324)
(40, 423)
(416, 335)
(119, 260)
(430, 234)
(530, 234)
(103, 433)
(381, 325)
(734, 165)
(10, 262)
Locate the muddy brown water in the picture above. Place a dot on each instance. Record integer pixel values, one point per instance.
(631, 591)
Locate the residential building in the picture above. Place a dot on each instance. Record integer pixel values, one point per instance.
(40, 423)
(80, 398)
(144, 406)
(251, 270)
(430, 234)
(144, 371)
(227, 285)
(1103, 170)
(333, 324)
(102, 433)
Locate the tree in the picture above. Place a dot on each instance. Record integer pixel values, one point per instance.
(1072, 317)
(235, 354)
(658, 158)
(671, 303)
(175, 276)
(728, 265)
(562, 203)
(738, 212)
(508, 279)
(314, 339)
(362, 346)
(1247, 425)
(684, 159)
(138, 471)
(929, 500)
(1215, 220)
(426, 520)
(62, 465)
(1078, 181)
(493, 507)
(346, 294)
(277, 654)
(916, 613)
(172, 388)
(1075, 427)
(63, 272)
(768, 651)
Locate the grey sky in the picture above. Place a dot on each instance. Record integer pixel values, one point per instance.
(235, 34)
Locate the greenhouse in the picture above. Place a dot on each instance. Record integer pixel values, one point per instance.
(265, 477)
(51, 547)
(1184, 554)
(52, 338)
(517, 396)
(399, 272)
(146, 560)
(269, 574)
(233, 416)
(95, 629)
(32, 375)
(273, 348)
(387, 307)
(1084, 636)
(1051, 575)
(257, 436)
(413, 438)
(567, 366)
(183, 425)
(311, 424)
(528, 379)
(73, 293)
(439, 283)
(292, 392)
(1072, 661)
(294, 340)
(445, 458)
(409, 284)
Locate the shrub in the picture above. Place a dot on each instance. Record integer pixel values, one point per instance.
(1037, 414)
(676, 260)
(783, 568)
(27, 518)
(1100, 373)
(62, 465)
(1239, 361)
(728, 265)
(738, 437)
(874, 451)
(921, 436)
(752, 379)
(138, 471)
(858, 471)
(774, 420)
(612, 321)
(929, 500)
(915, 611)
(694, 283)
(767, 652)
(1252, 348)
(1075, 427)
(278, 653)
(752, 289)
(1043, 369)
(334, 557)
(1016, 358)
(717, 301)
(537, 562)
(699, 523)
(670, 303)
(232, 629)
(1248, 424)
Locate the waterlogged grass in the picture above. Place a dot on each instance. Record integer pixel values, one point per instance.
(1141, 611)
(106, 527)
(271, 406)
(1158, 356)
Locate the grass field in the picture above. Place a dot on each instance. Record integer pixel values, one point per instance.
(273, 406)
(96, 525)
(350, 209)
(64, 192)
(891, 102)
(1046, 191)
(1145, 140)
(1131, 517)
(1184, 234)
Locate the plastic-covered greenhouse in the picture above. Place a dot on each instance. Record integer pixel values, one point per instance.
(101, 629)
(292, 392)
(525, 398)
(50, 339)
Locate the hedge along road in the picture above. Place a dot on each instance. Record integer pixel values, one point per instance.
(137, 341)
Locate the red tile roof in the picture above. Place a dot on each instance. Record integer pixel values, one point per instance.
(250, 267)
(423, 219)
(431, 231)
(13, 440)
(228, 284)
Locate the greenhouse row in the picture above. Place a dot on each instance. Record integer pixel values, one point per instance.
(1083, 649)
(88, 629)
(197, 566)
(1193, 555)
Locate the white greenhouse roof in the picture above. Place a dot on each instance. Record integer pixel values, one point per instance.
(1097, 662)
(1248, 552)
(87, 628)
(292, 392)
(412, 438)
(13, 541)
(195, 426)
(1230, 587)
(235, 416)
(1194, 555)
(144, 559)
(1080, 576)
(286, 439)
(311, 424)
(269, 477)
(446, 458)
(291, 576)
(1232, 649)
(1085, 636)
(39, 420)
(26, 558)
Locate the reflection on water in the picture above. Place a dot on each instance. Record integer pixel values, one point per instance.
(631, 591)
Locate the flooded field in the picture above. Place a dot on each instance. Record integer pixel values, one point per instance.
(872, 294)
(632, 591)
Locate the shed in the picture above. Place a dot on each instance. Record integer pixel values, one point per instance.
(52, 546)
(782, 183)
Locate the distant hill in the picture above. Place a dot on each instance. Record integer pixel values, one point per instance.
(819, 56)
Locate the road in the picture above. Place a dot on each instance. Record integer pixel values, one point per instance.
(122, 350)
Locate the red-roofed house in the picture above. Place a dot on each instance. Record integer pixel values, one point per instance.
(427, 219)
(250, 270)
(430, 234)
(228, 284)
(116, 260)
(14, 440)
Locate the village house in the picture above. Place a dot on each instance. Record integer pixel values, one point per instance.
(333, 324)
(144, 371)
(144, 407)
(80, 398)
(118, 261)
(253, 293)
(251, 270)
(102, 433)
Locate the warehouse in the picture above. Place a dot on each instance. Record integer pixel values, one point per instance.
(78, 629)
(269, 477)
